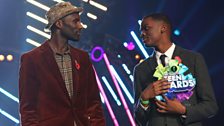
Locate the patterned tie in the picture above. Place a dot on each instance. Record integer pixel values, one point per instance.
(162, 59)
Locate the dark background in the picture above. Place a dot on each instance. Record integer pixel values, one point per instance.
(201, 25)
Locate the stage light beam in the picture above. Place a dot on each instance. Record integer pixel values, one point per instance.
(92, 16)
(139, 44)
(84, 25)
(111, 90)
(9, 95)
(38, 18)
(140, 22)
(40, 5)
(100, 6)
(31, 28)
(32, 42)
(9, 116)
(127, 110)
(122, 84)
(106, 100)
(59, 1)
(126, 68)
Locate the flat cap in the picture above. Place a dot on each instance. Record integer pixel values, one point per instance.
(59, 11)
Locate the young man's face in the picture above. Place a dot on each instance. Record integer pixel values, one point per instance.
(72, 27)
(151, 32)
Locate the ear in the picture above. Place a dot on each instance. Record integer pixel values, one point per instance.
(59, 24)
(163, 28)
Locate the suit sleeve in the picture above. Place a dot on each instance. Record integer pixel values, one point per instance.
(206, 105)
(27, 92)
(139, 113)
(94, 105)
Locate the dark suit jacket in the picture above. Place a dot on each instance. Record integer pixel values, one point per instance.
(201, 105)
(44, 100)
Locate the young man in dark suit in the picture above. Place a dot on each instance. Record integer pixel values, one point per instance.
(57, 85)
(156, 33)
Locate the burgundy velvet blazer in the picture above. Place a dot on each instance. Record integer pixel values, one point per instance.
(44, 100)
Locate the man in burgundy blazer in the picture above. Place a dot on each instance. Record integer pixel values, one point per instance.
(44, 97)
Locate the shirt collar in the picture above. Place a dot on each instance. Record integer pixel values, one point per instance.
(168, 53)
(64, 53)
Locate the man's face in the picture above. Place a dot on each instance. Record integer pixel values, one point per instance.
(151, 32)
(72, 27)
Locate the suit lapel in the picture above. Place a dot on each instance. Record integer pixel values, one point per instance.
(48, 56)
(153, 61)
(180, 52)
(177, 52)
(153, 64)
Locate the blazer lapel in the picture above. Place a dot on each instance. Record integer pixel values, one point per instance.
(152, 61)
(177, 52)
(153, 64)
(52, 65)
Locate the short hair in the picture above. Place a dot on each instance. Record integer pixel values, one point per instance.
(160, 17)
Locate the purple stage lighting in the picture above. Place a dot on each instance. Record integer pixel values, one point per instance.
(97, 59)
(129, 46)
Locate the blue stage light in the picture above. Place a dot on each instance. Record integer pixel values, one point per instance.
(176, 32)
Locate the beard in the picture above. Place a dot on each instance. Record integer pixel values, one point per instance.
(76, 35)
(74, 38)
(72, 35)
